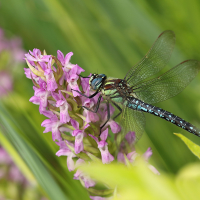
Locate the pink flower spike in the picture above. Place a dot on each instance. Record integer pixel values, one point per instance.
(69, 121)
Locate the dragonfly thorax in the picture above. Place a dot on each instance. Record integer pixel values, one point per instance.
(97, 81)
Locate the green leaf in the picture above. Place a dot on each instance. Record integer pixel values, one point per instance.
(16, 158)
(188, 181)
(194, 148)
(53, 179)
(133, 182)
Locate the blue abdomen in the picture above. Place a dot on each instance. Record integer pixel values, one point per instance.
(139, 105)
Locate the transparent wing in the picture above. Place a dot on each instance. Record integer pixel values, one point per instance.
(157, 57)
(168, 84)
(132, 120)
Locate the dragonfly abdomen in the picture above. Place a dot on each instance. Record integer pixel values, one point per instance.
(139, 105)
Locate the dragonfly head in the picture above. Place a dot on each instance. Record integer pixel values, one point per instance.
(96, 81)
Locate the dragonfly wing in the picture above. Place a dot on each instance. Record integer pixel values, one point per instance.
(134, 121)
(155, 60)
(168, 84)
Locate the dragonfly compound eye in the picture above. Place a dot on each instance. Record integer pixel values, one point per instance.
(96, 83)
(93, 76)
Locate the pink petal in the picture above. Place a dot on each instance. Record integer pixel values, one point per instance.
(68, 57)
(115, 127)
(60, 57)
(104, 134)
(130, 137)
(147, 154)
(153, 169)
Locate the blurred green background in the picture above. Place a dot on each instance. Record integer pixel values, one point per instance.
(106, 37)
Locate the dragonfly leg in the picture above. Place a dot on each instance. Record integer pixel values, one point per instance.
(96, 108)
(108, 117)
(120, 110)
(86, 95)
(83, 76)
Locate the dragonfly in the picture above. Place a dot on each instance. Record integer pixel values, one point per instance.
(135, 94)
